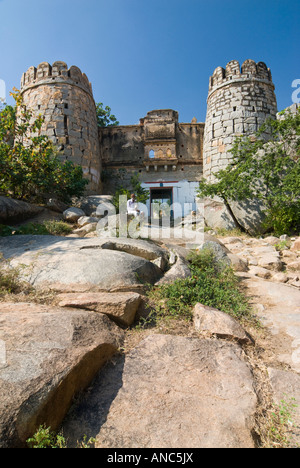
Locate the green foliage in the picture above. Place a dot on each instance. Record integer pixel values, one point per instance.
(58, 228)
(116, 198)
(44, 438)
(265, 170)
(7, 124)
(283, 245)
(55, 228)
(104, 116)
(141, 194)
(227, 232)
(281, 422)
(68, 181)
(30, 168)
(6, 230)
(31, 229)
(212, 283)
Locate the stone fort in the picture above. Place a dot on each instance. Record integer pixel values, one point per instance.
(169, 156)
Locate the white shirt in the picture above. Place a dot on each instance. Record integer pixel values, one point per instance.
(132, 205)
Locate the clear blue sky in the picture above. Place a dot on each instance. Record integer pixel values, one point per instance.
(143, 55)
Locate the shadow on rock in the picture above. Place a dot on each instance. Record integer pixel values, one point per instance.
(90, 412)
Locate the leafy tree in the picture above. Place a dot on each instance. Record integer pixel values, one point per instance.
(104, 116)
(30, 168)
(267, 169)
(141, 194)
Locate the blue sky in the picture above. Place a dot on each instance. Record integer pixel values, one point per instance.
(144, 55)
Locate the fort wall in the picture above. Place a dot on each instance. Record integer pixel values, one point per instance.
(165, 153)
(64, 98)
(159, 149)
(239, 101)
(159, 133)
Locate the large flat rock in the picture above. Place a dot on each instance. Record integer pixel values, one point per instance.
(48, 356)
(217, 323)
(120, 307)
(12, 210)
(141, 248)
(278, 307)
(170, 392)
(75, 264)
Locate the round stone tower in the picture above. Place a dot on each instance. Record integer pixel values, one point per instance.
(239, 101)
(64, 97)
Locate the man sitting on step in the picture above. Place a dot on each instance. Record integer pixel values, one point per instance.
(133, 207)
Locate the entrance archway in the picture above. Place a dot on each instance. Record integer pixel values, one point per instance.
(161, 200)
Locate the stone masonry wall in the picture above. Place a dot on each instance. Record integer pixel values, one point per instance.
(125, 151)
(239, 101)
(189, 144)
(65, 98)
(159, 148)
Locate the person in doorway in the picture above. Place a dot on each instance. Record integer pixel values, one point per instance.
(133, 207)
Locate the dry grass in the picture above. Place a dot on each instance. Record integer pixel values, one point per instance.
(14, 289)
(10, 282)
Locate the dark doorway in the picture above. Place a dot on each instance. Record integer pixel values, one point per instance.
(161, 200)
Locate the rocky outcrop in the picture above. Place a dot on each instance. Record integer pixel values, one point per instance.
(73, 214)
(249, 215)
(217, 323)
(179, 270)
(271, 262)
(170, 392)
(271, 258)
(286, 389)
(296, 245)
(96, 204)
(85, 230)
(75, 264)
(277, 306)
(140, 248)
(85, 220)
(15, 211)
(51, 354)
(56, 205)
(120, 307)
(222, 254)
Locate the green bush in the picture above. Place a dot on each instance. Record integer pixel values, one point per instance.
(30, 168)
(58, 228)
(44, 438)
(55, 228)
(263, 170)
(212, 283)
